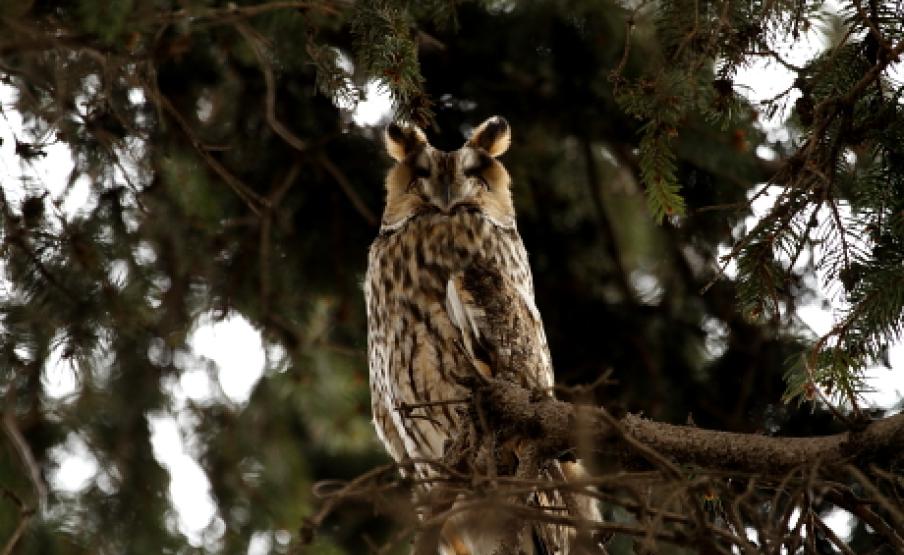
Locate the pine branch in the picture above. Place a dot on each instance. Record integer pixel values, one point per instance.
(695, 469)
(231, 12)
(553, 424)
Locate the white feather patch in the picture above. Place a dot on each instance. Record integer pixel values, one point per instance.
(461, 316)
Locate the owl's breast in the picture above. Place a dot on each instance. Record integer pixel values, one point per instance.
(414, 347)
(422, 254)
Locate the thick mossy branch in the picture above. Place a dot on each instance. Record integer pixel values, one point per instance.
(558, 427)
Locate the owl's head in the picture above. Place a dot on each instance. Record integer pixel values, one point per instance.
(427, 180)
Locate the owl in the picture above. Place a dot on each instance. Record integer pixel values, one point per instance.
(449, 291)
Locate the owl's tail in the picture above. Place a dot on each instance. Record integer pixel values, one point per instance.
(488, 532)
(551, 539)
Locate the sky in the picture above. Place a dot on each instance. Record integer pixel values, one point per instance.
(225, 359)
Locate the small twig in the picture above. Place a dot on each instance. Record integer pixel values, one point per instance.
(346, 490)
(348, 189)
(253, 200)
(843, 547)
(233, 11)
(894, 512)
(880, 38)
(407, 408)
(25, 514)
(266, 226)
(257, 46)
(777, 57)
(837, 217)
(264, 260)
(616, 75)
(25, 454)
(715, 207)
(645, 451)
(780, 490)
(845, 498)
(811, 532)
(578, 390)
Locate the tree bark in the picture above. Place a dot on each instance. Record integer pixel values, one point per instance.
(558, 427)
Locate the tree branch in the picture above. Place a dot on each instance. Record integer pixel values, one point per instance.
(233, 11)
(25, 514)
(552, 423)
(25, 455)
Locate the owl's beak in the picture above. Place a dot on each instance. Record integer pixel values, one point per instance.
(446, 193)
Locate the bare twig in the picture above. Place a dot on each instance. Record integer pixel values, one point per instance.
(768, 52)
(871, 25)
(244, 192)
(897, 516)
(348, 189)
(859, 507)
(407, 408)
(233, 11)
(25, 514)
(257, 46)
(24, 519)
(843, 547)
(25, 455)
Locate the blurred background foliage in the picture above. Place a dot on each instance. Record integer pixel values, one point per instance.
(229, 177)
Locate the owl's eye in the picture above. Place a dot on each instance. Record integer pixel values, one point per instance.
(481, 180)
(417, 173)
(475, 171)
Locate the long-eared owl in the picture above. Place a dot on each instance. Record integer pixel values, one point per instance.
(449, 291)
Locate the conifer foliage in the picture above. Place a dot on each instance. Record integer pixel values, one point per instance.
(229, 178)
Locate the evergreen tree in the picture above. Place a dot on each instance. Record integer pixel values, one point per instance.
(228, 177)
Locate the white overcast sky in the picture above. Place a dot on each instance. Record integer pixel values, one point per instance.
(224, 360)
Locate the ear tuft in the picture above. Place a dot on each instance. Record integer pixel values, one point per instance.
(402, 140)
(494, 136)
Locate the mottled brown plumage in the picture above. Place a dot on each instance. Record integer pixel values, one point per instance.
(449, 292)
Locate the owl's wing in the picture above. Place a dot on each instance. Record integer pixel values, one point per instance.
(502, 331)
(500, 326)
(386, 429)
